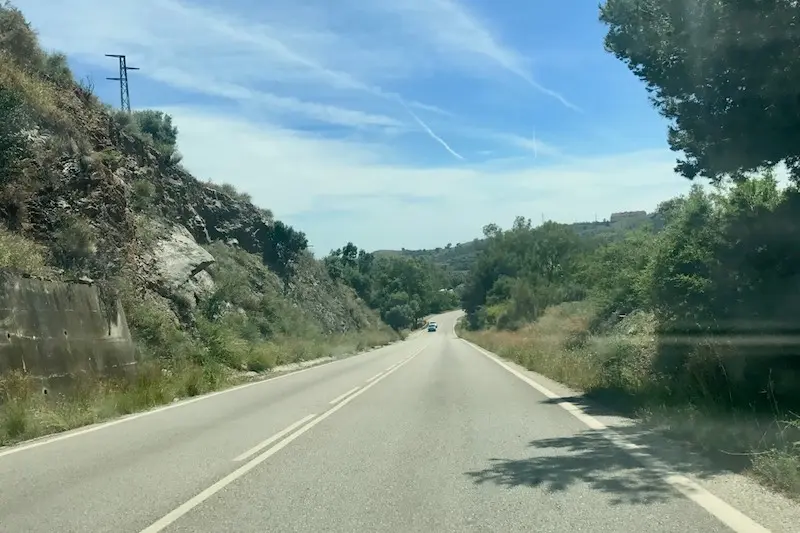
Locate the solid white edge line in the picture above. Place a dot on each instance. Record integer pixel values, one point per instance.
(16, 448)
(343, 396)
(193, 502)
(723, 511)
(263, 444)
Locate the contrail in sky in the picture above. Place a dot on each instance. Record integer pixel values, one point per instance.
(433, 135)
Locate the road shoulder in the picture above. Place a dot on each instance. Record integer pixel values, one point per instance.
(773, 511)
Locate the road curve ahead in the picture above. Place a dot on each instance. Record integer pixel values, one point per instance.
(428, 435)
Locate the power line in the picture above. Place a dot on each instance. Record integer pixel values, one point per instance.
(124, 94)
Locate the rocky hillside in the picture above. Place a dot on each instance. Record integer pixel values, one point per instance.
(88, 192)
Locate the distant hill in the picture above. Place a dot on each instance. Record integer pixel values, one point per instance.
(618, 224)
(458, 257)
(461, 256)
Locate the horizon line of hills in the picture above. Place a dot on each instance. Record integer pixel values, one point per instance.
(460, 256)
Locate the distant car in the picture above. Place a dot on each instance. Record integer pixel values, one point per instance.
(432, 326)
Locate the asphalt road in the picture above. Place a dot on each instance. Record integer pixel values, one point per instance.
(427, 435)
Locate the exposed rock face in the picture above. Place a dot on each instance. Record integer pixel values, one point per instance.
(100, 192)
(95, 173)
(75, 185)
(180, 266)
(210, 215)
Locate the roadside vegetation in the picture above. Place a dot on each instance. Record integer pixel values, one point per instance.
(690, 323)
(64, 215)
(403, 290)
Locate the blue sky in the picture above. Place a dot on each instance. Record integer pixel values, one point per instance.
(389, 123)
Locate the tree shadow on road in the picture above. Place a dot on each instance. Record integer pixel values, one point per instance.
(590, 458)
(599, 403)
(654, 431)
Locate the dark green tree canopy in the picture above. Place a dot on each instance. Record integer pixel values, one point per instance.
(158, 125)
(402, 289)
(724, 72)
(283, 247)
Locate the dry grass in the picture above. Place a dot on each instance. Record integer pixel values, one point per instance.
(177, 364)
(26, 413)
(766, 446)
(616, 368)
(42, 97)
(540, 346)
(22, 255)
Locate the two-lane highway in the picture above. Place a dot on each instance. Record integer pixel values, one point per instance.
(426, 435)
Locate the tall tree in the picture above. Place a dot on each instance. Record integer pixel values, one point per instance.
(725, 74)
(284, 246)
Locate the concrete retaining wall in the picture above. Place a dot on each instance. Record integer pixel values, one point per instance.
(56, 331)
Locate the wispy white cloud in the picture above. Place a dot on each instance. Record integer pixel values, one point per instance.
(336, 189)
(430, 108)
(211, 50)
(536, 146)
(348, 63)
(272, 104)
(456, 32)
(328, 113)
(291, 58)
